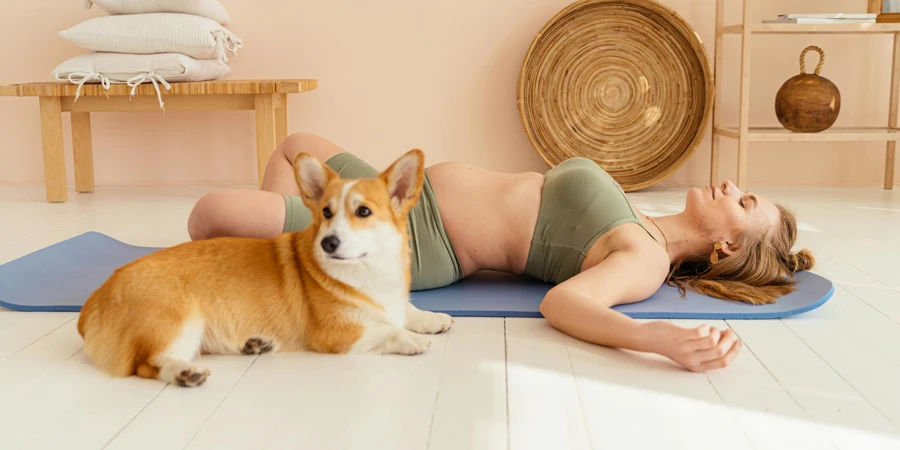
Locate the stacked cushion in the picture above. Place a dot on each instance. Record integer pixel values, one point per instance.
(211, 9)
(156, 41)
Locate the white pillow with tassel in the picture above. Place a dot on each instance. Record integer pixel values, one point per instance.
(210, 9)
(194, 36)
(158, 69)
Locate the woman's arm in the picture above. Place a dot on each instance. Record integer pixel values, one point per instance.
(581, 308)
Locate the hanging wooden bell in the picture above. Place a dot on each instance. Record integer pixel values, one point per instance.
(808, 102)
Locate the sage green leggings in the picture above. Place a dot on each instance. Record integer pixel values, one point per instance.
(434, 261)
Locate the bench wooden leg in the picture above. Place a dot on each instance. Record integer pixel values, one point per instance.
(281, 121)
(81, 148)
(265, 132)
(54, 159)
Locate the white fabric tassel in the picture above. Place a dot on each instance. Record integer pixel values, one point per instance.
(80, 78)
(136, 81)
(227, 42)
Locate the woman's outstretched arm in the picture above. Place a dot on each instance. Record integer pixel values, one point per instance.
(581, 308)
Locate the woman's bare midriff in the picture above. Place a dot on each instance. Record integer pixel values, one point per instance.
(489, 216)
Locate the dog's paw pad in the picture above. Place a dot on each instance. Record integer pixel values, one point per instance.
(192, 377)
(257, 346)
(411, 344)
(434, 323)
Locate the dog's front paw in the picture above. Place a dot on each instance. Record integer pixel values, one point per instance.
(404, 342)
(429, 322)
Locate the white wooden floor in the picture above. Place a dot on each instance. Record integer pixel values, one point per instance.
(827, 379)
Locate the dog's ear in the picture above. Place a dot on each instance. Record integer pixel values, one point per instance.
(404, 179)
(312, 178)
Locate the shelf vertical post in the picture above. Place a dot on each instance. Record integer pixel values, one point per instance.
(744, 119)
(892, 115)
(717, 65)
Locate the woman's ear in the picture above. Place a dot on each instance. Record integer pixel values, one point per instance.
(727, 248)
(720, 249)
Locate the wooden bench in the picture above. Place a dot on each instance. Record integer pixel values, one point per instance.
(267, 97)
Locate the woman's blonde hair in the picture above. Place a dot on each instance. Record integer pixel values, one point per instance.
(758, 272)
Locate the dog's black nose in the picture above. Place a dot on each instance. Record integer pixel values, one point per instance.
(330, 244)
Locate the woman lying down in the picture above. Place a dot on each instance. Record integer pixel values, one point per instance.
(571, 226)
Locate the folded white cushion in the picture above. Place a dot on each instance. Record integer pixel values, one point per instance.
(122, 67)
(194, 36)
(210, 9)
(160, 68)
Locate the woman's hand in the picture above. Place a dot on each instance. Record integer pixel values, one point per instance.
(697, 349)
(582, 308)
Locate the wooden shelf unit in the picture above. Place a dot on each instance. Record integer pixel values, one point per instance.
(830, 28)
(833, 134)
(744, 133)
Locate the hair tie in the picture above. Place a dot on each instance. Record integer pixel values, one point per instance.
(796, 261)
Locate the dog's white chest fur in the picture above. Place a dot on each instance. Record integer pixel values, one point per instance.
(394, 304)
(382, 281)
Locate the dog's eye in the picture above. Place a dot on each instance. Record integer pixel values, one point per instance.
(327, 212)
(362, 211)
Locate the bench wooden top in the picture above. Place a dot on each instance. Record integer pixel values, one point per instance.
(221, 87)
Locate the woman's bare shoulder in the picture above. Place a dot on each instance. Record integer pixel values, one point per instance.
(641, 247)
(631, 269)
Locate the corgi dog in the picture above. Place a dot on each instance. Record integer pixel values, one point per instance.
(341, 285)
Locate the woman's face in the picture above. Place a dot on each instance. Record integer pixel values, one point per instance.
(722, 213)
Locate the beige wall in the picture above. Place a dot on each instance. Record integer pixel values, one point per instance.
(439, 75)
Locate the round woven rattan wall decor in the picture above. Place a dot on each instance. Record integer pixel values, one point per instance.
(626, 83)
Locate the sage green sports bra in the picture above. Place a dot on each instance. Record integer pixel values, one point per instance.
(580, 202)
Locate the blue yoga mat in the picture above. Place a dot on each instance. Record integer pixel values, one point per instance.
(62, 276)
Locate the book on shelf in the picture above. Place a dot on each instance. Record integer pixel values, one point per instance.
(818, 21)
(824, 18)
(829, 16)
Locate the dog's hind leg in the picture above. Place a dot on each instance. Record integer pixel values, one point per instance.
(182, 373)
(227, 339)
(174, 363)
(257, 346)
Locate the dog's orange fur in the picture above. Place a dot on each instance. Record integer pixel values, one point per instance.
(240, 288)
